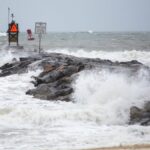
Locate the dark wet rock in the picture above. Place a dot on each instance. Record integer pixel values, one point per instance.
(42, 89)
(147, 107)
(145, 121)
(16, 67)
(135, 114)
(140, 116)
(58, 90)
(5, 66)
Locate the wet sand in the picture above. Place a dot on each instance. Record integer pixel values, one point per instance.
(130, 147)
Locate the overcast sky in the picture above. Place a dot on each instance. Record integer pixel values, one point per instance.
(78, 15)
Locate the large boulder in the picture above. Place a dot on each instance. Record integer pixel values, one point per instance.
(135, 114)
(147, 107)
(140, 116)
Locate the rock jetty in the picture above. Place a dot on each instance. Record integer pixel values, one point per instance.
(60, 70)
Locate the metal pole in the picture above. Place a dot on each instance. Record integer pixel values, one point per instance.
(40, 37)
(8, 15)
(8, 25)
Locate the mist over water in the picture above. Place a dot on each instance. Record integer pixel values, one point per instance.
(98, 116)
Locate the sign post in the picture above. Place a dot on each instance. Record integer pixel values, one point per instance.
(40, 28)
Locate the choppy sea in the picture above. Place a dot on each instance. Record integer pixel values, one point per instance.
(98, 118)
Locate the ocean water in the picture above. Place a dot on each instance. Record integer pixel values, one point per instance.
(98, 118)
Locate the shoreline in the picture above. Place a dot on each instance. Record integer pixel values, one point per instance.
(125, 147)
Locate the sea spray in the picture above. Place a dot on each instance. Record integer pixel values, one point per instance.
(109, 96)
(3, 34)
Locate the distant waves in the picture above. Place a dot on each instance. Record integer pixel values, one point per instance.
(3, 34)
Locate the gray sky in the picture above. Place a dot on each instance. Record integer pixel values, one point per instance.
(79, 15)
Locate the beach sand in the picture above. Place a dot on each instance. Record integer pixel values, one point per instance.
(129, 147)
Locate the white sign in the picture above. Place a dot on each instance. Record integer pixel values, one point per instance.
(40, 28)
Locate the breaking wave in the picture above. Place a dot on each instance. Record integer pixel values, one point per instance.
(3, 34)
(110, 95)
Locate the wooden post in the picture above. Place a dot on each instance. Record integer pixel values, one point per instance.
(40, 38)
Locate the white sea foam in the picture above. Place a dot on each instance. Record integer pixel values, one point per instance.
(7, 56)
(90, 31)
(3, 34)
